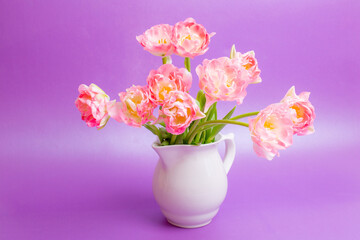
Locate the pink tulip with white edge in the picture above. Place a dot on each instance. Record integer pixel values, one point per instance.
(92, 104)
(165, 79)
(272, 130)
(134, 108)
(178, 111)
(305, 113)
(157, 40)
(190, 38)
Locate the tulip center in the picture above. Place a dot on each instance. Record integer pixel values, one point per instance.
(247, 66)
(229, 82)
(162, 41)
(181, 117)
(188, 37)
(164, 90)
(269, 125)
(299, 111)
(131, 104)
(130, 107)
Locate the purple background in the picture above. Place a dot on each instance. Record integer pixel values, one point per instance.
(62, 180)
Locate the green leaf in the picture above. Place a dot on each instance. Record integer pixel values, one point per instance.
(211, 114)
(164, 134)
(218, 128)
(201, 99)
(193, 133)
(228, 116)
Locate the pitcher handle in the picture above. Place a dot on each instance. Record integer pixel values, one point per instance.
(230, 151)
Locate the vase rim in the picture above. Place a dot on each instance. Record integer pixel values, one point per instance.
(218, 139)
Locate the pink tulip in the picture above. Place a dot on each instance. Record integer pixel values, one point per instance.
(223, 79)
(134, 108)
(92, 103)
(190, 38)
(305, 113)
(165, 79)
(249, 62)
(272, 130)
(157, 40)
(178, 111)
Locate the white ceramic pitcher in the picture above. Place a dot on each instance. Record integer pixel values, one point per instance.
(190, 182)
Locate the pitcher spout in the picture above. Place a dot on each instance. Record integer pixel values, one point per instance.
(169, 155)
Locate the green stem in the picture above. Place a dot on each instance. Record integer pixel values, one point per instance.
(192, 132)
(192, 129)
(191, 137)
(204, 126)
(198, 136)
(245, 115)
(180, 138)
(222, 122)
(210, 124)
(202, 141)
(150, 129)
(198, 133)
(187, 64)
(166, 59)
(154, 130)
(173, 139)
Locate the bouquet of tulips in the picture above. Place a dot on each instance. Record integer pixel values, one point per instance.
(183, 119)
